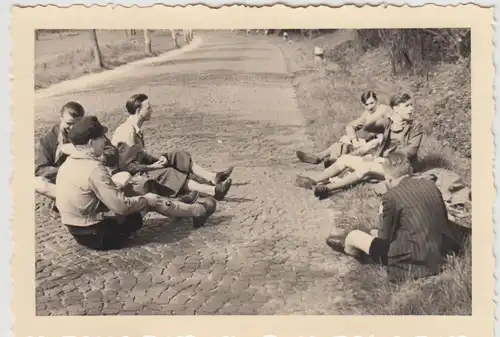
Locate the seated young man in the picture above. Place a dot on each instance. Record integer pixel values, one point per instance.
(371, 122)
(49, 155)
(414, 234)
(173, 169)
(95, 210)
(401, 134)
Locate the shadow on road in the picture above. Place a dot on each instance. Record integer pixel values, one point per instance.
(238, 200)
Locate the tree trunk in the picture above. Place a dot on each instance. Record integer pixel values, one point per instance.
(174, 37)
(96, 49)
(147, 42)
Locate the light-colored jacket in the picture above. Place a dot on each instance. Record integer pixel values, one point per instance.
(86, 194)
(128, 138)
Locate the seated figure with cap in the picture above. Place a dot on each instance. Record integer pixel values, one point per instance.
(98, 213)
(175, 171)
(414, 233)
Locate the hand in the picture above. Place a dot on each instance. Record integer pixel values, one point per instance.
(153, 199)
(156, 165)
(162, 160)
(121, 179)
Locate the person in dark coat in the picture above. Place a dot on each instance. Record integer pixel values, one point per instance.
(49, 155)
(414, 234)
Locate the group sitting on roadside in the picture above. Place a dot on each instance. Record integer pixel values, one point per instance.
(421, 213)
(102, 188)
(96, 184)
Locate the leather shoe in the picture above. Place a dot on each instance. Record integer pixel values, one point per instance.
(329, 162)
(308, 158)
(321, 192)
(335, 243)
(223, 175)
(305, 182)
(222, 189)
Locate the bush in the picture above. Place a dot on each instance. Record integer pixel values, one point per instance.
(415, 49)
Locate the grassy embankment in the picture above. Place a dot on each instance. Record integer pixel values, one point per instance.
(330, 97)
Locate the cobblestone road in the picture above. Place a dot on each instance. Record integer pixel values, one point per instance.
(263, 252)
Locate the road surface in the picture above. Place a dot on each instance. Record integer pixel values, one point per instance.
(229, 101)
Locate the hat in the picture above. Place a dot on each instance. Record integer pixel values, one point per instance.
(86, 129)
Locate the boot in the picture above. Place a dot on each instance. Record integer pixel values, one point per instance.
(321, 192)
(305, 182)
(210, 206)
(223, 175)
(308, 158)
(329, 162)
(222, 189)
(336, 243)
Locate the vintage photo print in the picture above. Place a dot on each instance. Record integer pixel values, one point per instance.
(247, 171)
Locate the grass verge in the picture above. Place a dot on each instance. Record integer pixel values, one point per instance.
(61, 57)
(329, 97)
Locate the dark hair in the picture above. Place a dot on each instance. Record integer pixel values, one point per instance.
(135, 102)
(399, 98)
(74, 109)
(396, 164)
(367, 95)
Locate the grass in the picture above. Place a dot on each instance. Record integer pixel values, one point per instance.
(61, 57)
(330, 97)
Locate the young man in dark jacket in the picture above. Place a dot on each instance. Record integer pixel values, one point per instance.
(401, 133)
(414, 234)
(49, 155)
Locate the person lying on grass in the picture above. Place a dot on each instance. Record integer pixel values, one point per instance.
(401, 134)
(371, 122)
(174, 169)
(97, 212)
(49, 155)
(414, 234)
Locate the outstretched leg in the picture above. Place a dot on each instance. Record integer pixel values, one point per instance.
(344, 162)
(362, 172)
(218, 191)
(360, 244)
(213, 177)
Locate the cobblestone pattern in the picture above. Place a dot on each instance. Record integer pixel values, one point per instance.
(263, 251)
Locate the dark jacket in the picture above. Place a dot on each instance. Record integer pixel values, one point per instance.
(415, 222)
(45, 155)
(413, 134)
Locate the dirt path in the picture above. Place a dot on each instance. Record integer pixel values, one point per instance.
(262, 253)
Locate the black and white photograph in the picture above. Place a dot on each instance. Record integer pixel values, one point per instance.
(260, 170)
(253, 171)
